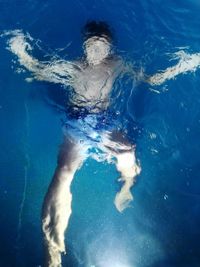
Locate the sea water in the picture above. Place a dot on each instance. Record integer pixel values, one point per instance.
(161, 226)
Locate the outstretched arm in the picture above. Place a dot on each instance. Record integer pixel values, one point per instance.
(128, 68)
(57, 71)
(187, 62)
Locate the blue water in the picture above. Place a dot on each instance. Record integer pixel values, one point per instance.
(161, 229)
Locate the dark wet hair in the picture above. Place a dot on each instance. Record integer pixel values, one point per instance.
(97, 28)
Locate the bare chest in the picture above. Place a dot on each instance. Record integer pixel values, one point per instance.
(94, 83)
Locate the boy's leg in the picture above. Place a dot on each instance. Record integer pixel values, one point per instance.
(126, 164)
(129, 169)
(57, 203)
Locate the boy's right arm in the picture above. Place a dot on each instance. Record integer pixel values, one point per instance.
(57, 71)
(186, 63)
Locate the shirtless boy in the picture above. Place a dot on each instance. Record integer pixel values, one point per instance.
(88, 125)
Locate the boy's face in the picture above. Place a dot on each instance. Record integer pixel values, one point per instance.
(96, 49)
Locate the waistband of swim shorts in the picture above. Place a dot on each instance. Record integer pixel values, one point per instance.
(77, 112)
(103, 120)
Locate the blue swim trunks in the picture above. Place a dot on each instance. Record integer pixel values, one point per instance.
(88, 127)
(95, 132)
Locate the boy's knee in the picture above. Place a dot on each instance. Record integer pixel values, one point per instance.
(126, 159)
(127, 165)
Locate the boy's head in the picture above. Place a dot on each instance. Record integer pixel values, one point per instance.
(97, 41)
(97, 29)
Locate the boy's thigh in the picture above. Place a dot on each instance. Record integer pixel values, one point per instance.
(71, 151)
(116, 142)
